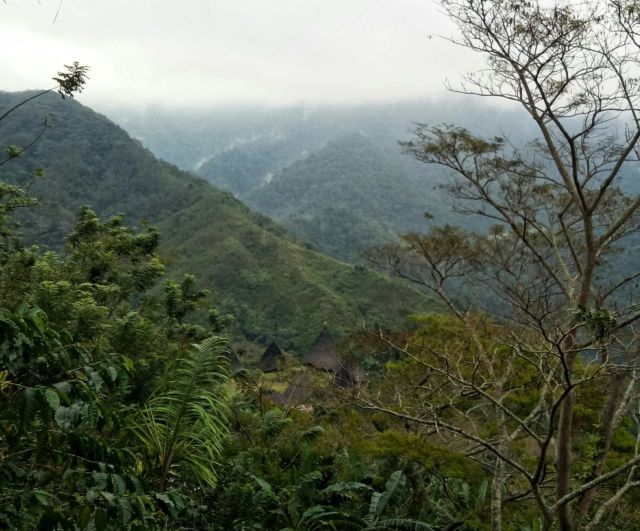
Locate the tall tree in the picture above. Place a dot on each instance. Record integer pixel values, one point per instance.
(568, 309)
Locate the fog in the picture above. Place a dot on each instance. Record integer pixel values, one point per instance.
(214, 52)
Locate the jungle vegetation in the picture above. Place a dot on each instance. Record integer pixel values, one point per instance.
(509, 399)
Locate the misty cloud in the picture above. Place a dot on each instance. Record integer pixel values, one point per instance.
(206, 52)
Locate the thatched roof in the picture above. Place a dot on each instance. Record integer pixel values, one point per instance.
(299, 390)
(323, 354)
(350, 374)
(277, 398)
(297, 393)
(270, 358)
(234, 361)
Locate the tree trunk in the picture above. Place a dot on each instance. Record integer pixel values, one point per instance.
(607, 428)
(496, 495)
(563, 460)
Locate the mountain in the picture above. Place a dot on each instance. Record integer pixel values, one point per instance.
(345, 198)
(194, 138)
(275, 286)
(333, 175)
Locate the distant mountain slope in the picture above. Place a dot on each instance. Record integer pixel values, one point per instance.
(242, 167)
(345, 198)
(275, 287)
(190, 138)
(304, 166)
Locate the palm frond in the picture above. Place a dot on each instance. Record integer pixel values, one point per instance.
(184, 423)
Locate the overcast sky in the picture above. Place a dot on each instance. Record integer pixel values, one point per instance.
(202, 52)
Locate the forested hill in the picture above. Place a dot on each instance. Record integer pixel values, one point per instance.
(333, 175)
(275, 287)
(345, 198)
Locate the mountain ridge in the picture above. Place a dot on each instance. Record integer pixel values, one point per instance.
(246, 150)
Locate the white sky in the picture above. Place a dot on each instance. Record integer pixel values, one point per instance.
(203, 52)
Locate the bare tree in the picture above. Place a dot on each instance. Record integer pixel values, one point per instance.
(563, 333)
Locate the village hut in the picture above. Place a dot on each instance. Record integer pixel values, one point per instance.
(350, 374)
(299, 390)
(296, 394)
(270, 358)
(277, 398)
(234, 361)
(323, 354)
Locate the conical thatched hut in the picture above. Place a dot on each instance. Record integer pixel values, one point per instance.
(270, 358)
(323, 354)
(299, 390)
(296, 394)
(350, 374)
(234, 361)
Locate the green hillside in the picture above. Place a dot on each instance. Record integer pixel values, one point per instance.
(345, 198)
(275, 286)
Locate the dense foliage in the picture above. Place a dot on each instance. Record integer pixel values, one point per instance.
(515, 410)
(117, 410)
(111, 420)
(82, 343)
